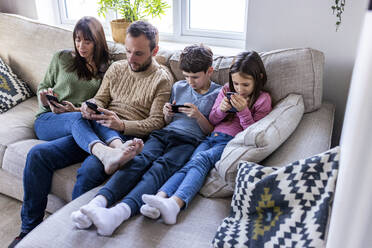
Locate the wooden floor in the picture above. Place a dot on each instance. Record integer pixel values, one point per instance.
(10, 219)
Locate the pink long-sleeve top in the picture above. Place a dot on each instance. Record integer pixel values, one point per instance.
(242, 119)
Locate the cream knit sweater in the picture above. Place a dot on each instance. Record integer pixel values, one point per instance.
(136, 97)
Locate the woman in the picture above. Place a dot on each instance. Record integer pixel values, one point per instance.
(72, 77)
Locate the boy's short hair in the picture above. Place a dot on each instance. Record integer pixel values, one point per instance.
(138, 28)
(196, 58)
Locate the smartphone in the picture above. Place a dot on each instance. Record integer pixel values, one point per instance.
(93, 106)
(53, 98)
(228, 95)
(175, 108)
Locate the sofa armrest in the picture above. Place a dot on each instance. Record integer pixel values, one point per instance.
(312, 136)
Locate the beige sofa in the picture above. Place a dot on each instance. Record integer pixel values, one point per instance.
(27, 46)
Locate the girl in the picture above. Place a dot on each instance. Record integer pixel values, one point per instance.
(247, 104)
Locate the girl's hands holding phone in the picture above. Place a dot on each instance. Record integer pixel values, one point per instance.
(238, 102)
(225, 105)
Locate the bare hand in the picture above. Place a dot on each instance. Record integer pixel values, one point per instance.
(225, 105)
(192, 111)
(86, 112)
(167, 110)
(60, 108)
(108, 119)
(239, 102)
(42, 96)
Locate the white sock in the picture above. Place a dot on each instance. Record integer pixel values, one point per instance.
(107, 219)
(151, 212)
(168, 207)
(82, 221)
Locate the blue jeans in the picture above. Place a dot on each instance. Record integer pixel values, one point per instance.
(42, 160)
(163, 154)
(50, 126)
(60, 151)
(186, 182)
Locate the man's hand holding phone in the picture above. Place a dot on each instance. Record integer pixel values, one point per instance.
(107, 118)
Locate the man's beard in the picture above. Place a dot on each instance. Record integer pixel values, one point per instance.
(144, 66)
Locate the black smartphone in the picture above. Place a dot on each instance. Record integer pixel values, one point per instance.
(176, 107)
(53, 98)
(228, 95)
(93, 106)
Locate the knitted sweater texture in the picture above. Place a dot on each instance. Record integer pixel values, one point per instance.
(136, 97)
(66, 85)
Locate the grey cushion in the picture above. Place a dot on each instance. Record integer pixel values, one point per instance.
(262, 138)
(195, 228)
(298, 146)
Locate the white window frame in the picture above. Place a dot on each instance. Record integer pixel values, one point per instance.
(182, 33)
(70, 23)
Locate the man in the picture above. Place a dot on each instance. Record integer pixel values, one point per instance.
(166, 150)
(131, 98)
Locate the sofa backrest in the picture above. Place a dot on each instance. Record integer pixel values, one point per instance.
(289, 71)
(28, 46)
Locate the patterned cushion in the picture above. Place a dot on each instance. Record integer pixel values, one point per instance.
(281, 207)
(12, 89)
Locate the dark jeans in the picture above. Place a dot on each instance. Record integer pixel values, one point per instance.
(42, 161)
(163, 154)
(60, 151)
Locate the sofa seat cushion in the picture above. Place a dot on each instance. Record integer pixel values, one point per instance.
(19, 122)
(15, 160)
(195, 228)
(287, 206)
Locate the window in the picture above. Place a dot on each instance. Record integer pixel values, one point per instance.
(212, 22)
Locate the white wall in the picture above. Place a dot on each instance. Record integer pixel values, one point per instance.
(274, 24)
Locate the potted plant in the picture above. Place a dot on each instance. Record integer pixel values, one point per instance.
(130, 11)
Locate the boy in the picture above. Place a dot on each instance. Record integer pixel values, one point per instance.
(166, 150)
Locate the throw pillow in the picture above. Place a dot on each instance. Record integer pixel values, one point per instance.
(12, 89)
(281, 207)
(255, 143)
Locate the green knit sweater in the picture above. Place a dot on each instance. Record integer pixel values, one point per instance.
(66, 85)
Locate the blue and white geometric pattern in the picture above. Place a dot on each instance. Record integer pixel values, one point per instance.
(12, 89)
(281, 206)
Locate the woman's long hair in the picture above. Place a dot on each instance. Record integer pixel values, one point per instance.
(249, 63)
(92, 30)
